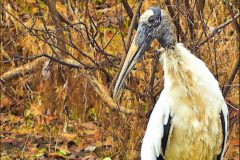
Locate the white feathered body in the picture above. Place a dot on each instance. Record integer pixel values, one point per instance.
(192, 97)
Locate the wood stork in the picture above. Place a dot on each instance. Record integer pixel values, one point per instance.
(189, 120)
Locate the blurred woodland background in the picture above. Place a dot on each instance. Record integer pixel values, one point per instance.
(59, 62)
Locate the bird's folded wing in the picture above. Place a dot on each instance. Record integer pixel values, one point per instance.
(224, 122)
(157, 133)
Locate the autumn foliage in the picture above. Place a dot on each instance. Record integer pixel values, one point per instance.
(59, 63)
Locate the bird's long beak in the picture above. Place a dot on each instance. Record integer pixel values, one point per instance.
(134, 54)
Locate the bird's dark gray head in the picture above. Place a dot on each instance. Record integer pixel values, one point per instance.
(153, 24)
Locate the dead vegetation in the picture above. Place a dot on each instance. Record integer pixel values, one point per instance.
(60, 59)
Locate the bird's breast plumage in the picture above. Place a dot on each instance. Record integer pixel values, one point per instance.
(195, 101)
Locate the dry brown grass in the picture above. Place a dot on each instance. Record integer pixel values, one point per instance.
(37, 101)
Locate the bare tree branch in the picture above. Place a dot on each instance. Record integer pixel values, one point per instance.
(217, 30)
(56, 46)
(28, 68)
(37, 64)
(152, 75)
(104, 94)
(204, 24)
(47, 31)
(56, 19)
(172, 14)
(190, 19)
(132, 25)
(234, 20)
(127, 8)
(66, 61)
(231, 78)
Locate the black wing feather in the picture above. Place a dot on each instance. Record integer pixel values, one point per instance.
(224, 134)
(160, 158)
(165, 137)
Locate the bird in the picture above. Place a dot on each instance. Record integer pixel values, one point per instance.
(190, 118)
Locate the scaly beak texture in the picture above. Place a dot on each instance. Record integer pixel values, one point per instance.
(130, 61)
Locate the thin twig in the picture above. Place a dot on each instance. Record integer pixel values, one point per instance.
(57, 23)
(152, 75)
(46, 30)
(215, 58)
(37, 64)
(231, 78)
(30, 30)
(103, 93)
(190, 19)
(127, 8)
(132, 25)
(172, 14)
(234, 20)
(93, 41)
(56, 46)
(204, 25)
(217, 30)
(117, 32)
(67, 62)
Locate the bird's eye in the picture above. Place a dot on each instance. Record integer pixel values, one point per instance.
(150, 20)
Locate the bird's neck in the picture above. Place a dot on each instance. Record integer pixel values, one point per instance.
(168, 39)
(175, 67)
(177, 73)
(167, 36)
